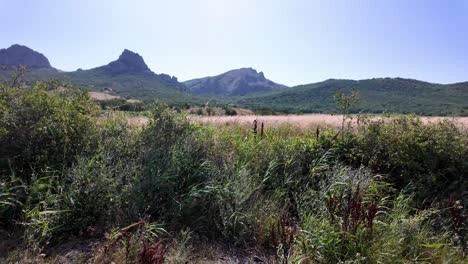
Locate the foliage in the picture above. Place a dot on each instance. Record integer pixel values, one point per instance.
(230, 111)
(433, 157)
(382, 95)
(385, 191)
(131, 244)
(122, 105)
(141, 86)
(46, 126)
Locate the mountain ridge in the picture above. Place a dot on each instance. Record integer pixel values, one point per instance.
(129, 76)
(128, 62)
(237, 82)
(379, 95)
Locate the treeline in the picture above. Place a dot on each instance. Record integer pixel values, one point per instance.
(381, 95)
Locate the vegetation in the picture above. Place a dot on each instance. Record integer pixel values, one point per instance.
(381, 192)
(122, 105)
(139, 86)
(387, 95)
(382, 95)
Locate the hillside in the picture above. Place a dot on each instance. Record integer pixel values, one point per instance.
(128, 76)
(392, 95)
(233, 83)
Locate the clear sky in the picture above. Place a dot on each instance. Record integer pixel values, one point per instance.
(291, 41)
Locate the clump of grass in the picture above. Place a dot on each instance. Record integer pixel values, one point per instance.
(139, 242)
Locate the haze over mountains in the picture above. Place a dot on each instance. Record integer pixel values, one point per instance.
(129, 76)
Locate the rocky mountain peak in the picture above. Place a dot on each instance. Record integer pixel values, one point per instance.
(233, 83)
(128, 62)
(22, 55)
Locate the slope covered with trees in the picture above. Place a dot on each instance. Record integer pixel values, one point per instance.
(384, 95)
(128, 76)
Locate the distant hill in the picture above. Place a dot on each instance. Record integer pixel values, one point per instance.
(233, 83)
(128, 76)
(22, 55)
(392, 95)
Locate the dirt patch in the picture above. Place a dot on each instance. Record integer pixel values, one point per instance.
(75, 251)
(133, 101)
(207, 253)
(105, 97)
(102, 96)
(137, 121)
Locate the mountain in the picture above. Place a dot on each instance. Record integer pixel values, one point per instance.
(22, 55)
(131, 64)
(128, 76)
(391, 95)
(128, 62)
(233, 83)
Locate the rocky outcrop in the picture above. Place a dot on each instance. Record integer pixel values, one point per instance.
(233, 83)
(128, 62)
(21, 55)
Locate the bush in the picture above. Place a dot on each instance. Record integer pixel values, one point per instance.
(433, 157)
(43, 130)
(358, 222)
(42, 127)
(229, 111)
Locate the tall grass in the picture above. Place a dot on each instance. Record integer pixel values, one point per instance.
(382, 192)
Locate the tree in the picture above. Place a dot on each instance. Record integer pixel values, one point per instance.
(345, 102)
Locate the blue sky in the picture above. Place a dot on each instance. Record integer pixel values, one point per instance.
(292, 42)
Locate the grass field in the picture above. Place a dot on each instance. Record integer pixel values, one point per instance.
(300, 121)
(307, 121)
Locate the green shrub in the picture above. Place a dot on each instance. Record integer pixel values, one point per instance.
(433, 157)
(347, 229)
(44, 126)
(229, 111)
(43, 130)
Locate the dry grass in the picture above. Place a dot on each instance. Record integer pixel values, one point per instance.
(133, 101)
(304, 121)
(137, 121)
(104, 97)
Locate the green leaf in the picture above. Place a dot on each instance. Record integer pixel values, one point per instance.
(436, 245)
